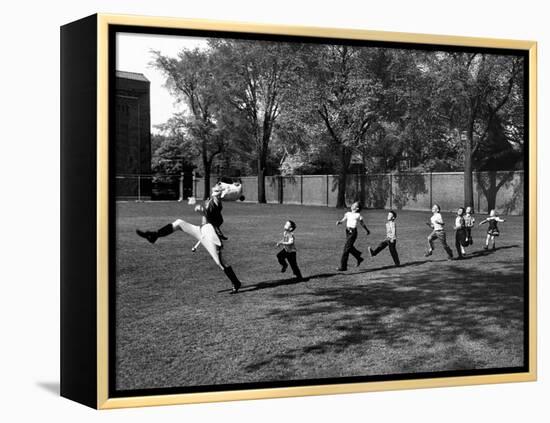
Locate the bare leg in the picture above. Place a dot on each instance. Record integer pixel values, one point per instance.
(487, 242)
(221, 262)
(188, 228)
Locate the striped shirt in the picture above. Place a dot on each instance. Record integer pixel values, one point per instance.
(390, 230)
(469, 220)
(289, 237)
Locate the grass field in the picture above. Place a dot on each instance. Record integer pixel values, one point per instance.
(177, 325)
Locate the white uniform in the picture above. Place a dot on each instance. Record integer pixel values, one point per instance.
(207, 236)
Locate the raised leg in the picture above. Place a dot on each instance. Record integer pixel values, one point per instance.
(152, 236)
(431, 239)
(281, 258)
(380, 247)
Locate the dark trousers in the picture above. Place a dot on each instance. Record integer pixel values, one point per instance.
(283, 256)
(469, 239)
(351, 236)
(443, 239)
(460, 241)
(393, 249)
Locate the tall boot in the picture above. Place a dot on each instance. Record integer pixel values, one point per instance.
(233, 278)
(220, 233)
(152, 236)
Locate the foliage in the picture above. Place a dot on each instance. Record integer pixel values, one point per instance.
(269, 107)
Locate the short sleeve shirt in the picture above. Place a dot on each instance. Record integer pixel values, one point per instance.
(435, 219)
(352, 218)
(288, 237)
(390, 231)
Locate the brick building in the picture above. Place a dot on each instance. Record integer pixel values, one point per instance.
(133, 136)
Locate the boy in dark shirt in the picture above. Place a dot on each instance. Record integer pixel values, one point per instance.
(288, 253)
(391, 239)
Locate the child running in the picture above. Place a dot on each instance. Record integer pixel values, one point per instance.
(352, 218)
(391, 239)
(438, 232)
(492, 231)
(288, 253)
(469, 220)
(460, 232)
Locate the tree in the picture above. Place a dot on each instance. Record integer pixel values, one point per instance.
(340, 91)
(495, 154)
(257, 78)
(190, 78)
(471, 89)
(168, 157)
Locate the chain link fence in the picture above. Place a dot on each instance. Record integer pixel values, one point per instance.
(152, 187)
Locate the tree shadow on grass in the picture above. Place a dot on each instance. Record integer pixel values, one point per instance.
(415, 314)
(293, 281)
(483, 253)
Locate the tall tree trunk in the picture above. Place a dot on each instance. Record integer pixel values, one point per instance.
(206, 166)
(262, 160)
(468, 169)
(261, 177)
(341, 199)
(345, 157)
(491, 194)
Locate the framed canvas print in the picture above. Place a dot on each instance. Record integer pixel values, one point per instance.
(253, 211)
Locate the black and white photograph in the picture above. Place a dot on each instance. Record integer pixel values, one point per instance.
(294, 211)
(275, 211)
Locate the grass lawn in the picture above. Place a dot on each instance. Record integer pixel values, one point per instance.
(177, 325)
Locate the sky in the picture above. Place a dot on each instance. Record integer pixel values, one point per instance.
(134, 55)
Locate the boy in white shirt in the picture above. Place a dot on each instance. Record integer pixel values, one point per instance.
(438, 232)
(352, 218)
(460, 233)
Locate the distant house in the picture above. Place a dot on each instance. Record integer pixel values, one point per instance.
(133, 136)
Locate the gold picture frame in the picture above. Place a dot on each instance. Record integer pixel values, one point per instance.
(97, 364)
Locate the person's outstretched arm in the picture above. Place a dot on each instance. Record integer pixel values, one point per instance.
(362, 223)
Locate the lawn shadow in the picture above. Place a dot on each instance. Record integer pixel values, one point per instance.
(417, 313)
(483, 253)
(292, 281)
